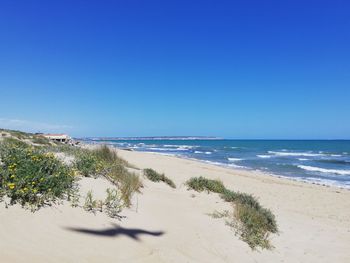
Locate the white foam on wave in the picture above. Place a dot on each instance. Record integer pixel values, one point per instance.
(234, 159)
(200, 152)
(179, 146)
(323, 170)
(264, 156)
(225, 165)
(295, 154)
(236, 166)
(303, 159)
(158, 149)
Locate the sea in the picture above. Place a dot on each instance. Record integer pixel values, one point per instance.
(325, 162)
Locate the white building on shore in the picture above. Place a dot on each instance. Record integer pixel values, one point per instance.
(64, 138)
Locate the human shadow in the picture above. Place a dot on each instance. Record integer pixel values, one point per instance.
(116, 230)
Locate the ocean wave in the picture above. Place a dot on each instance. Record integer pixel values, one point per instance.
(323, 170)
(264, 156)
(157, 149)
(296, 154)
(179, 146)
(200, 152)
(320, 181)
(236, 166)
(334, 161)
(234, 159)
(303, 159)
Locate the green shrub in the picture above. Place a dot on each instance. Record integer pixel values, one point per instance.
(31, 177)
(157, 177)
(87, 164)
(200, 184)
(252, 225)
(252, 222)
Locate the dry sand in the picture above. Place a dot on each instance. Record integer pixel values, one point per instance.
(172, 225)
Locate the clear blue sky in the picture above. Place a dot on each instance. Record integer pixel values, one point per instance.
(236, 69)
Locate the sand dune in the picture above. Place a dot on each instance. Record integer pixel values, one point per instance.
(172, 225)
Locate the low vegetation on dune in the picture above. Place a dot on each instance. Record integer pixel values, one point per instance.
(154, 176)
(252, 222)
(31, 175)
(200, 184)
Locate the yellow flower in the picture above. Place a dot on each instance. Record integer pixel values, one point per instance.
(11, 185)
(33, 183)
(35, 191)
(12, 176)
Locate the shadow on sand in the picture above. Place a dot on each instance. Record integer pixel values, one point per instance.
(116, 230)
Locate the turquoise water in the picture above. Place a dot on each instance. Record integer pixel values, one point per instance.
(323, 162)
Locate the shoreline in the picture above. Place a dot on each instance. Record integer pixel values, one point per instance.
(240, 169)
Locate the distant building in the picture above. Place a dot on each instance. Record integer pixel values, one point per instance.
(64, 138)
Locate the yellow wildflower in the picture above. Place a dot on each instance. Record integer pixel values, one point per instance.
(11, 185)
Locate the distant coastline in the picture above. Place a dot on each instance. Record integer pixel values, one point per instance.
(151, 138)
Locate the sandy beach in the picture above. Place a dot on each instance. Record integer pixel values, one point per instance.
(173, 225)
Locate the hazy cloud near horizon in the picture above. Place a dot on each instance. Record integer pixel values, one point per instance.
(32, 126)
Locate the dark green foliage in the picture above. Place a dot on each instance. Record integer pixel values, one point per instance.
(88, 164)
(157, 177)
(32, 177)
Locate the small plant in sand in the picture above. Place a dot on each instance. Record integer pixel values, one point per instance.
(74, 196)
(252, 222)
(157, 177)
(114, 202)
(90, 203)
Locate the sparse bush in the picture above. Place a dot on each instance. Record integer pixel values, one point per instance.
(252, 222)
(157, 177)
(252, 226)
(127, 182)
(30, 177)
(90, 203)
(200, 184)
(114, 203)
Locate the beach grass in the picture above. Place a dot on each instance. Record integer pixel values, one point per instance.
(154, 176)
(252, 222)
